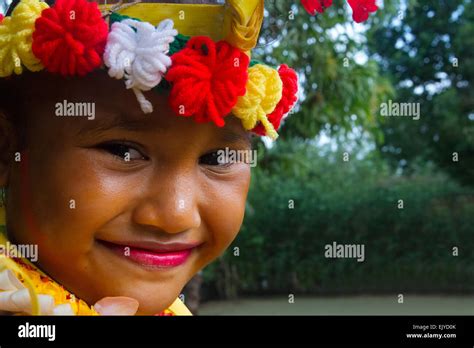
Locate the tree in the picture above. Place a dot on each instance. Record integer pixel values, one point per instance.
(338, 93)
(426, 49)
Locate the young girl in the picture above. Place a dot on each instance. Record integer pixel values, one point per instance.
(123, 198)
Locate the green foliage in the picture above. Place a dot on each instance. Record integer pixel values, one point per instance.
(412, 47)
(335, 87)
(355, 202)
(427, 53)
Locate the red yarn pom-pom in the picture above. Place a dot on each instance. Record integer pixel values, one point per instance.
(289, 96)
(207, 78)
(70, 37)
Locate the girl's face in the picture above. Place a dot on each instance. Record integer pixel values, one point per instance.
(112, 202)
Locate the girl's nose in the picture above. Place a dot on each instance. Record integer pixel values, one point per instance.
(171, 205)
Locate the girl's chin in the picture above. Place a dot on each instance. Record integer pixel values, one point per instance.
(149, 307)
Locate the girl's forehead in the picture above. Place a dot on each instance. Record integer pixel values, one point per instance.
(161, 121)
(114, 108)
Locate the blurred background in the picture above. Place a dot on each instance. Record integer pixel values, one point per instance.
(341, 172)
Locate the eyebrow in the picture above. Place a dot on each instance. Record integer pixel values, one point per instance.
(116, 121)
(230, 136)
(119, 121)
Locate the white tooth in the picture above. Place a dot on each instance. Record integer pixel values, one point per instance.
(8, 281)
(63, 309)
(6, 303)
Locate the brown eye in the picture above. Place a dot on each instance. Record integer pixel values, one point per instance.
(212, 159)
(123, 151)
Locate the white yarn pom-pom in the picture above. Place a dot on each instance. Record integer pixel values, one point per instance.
(137, 51)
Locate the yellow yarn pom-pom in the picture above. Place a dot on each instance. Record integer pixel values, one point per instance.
(16, 37)
(264, 91)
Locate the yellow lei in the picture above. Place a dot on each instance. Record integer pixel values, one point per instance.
(39, 283)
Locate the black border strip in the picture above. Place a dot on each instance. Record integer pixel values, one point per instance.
(244, 329)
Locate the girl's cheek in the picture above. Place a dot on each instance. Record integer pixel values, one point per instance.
(79, 201)
(227, 211)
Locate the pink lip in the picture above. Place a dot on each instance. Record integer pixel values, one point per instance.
(153, 254)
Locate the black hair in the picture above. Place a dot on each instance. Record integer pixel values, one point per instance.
(11, 108)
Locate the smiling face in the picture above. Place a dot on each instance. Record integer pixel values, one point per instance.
(126, 204)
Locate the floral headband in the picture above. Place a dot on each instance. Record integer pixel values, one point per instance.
(209, 76)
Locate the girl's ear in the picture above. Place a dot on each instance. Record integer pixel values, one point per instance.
(7, 146)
